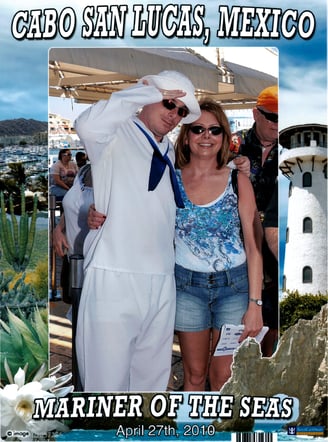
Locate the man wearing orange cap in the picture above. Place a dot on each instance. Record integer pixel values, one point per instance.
(260, 145)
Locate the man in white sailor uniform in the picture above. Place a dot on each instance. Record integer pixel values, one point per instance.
(127, 308)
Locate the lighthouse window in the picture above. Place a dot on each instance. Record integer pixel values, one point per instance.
(316, 137)
(307, 225)
(307, 274)
(307, 179)
(307, 138)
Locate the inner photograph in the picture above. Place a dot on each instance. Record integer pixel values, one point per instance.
(163, 215)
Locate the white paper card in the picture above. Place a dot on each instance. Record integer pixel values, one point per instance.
(230, 335)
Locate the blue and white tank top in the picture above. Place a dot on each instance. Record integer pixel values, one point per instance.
(207, 238)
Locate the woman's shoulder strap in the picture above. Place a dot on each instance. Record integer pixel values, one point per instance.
(234, 181)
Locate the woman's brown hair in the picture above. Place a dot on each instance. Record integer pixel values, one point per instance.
(62, 152)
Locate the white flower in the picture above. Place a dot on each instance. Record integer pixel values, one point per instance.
(17, 403)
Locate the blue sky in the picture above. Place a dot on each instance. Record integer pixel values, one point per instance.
(302, 63)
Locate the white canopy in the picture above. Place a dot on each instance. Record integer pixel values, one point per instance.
(90, 74)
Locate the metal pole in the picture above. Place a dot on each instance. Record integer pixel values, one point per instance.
(52, 254)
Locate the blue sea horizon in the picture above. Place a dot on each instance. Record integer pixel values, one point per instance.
(203, 434)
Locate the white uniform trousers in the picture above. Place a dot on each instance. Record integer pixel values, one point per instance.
(125, 332)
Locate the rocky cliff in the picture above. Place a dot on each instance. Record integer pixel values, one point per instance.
(298, 369)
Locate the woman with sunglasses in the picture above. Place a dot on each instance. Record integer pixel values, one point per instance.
(218, 274)
(62, 174)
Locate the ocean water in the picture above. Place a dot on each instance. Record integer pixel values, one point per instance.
(186, 431)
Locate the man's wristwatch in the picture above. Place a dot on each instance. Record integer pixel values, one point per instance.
(257, 301)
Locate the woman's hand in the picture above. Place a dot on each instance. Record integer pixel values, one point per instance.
(59, 182)
(95, 219)
(252, 321)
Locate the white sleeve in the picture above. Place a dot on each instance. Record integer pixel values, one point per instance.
(96, 125)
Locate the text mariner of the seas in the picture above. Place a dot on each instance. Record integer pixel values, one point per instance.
(163, 405)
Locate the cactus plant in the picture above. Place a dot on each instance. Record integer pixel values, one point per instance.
(4, 283)
(23, 343)
(21, 297)
(17, 240)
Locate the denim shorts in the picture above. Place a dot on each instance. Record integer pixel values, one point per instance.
(209, 300)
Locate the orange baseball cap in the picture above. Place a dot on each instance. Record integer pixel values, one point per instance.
(268, 99)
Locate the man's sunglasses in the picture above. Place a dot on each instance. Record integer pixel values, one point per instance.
(268, 115)
(183, 111)
(213, 130)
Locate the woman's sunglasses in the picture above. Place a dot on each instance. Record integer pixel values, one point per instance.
(269, 115)
(213, 130)
(183, 111)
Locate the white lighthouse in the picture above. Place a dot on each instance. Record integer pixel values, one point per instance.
(304, 162)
